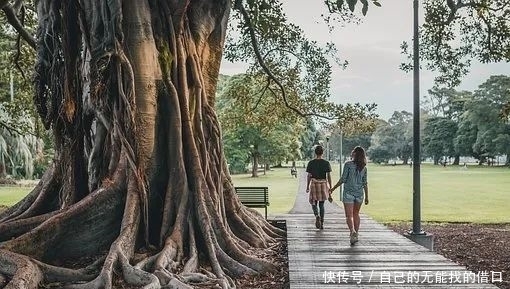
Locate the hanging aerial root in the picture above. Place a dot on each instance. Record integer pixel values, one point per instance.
(192, 263)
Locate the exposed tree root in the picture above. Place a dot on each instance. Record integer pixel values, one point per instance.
(16, 228)
(24, 272)
(139, 173)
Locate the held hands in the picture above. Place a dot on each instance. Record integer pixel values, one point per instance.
(366, 201)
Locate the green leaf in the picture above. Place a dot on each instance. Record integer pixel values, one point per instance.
(339, 4)
(377, 4)
(364, 9)
(352, 4)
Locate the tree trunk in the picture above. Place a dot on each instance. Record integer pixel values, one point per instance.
(3, 172)
(456, 160)
(139, 185)
(255, 166)
(436, 160)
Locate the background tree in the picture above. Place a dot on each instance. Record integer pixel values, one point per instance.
(483, 116)
(401, 131)
(309, 137)
(445, 107)
(392, 139)
(128, 89)
(466, 137)
(351, 133)
(381, 148)
(438, 138)
(21, 132)
(268, 131)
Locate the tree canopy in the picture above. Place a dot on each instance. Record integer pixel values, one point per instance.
(456, 32)
(259, 127)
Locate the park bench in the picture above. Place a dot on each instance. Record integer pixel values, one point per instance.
(254, 197)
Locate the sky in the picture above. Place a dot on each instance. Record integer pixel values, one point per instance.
(372, 49)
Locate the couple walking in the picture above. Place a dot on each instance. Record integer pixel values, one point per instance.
(354, 178)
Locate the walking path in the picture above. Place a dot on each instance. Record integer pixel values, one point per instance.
(381, 259)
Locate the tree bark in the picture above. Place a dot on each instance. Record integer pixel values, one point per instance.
(139, 180)
(456, 160)
(255, 162)
(255, 166)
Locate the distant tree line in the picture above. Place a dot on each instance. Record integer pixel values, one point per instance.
(454, 124)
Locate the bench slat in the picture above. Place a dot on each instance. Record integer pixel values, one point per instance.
(254, 197)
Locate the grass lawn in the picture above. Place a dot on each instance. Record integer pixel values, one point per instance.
(11, 195)
(451, 194)
(282, 188)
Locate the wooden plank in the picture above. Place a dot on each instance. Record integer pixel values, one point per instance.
(316, 255)
(381, 253)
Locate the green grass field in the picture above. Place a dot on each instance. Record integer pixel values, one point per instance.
(282, 188)
(451, 194)
(11, 195)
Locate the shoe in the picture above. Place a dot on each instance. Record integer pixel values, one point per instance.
(317, 222)
(353, 238)
(322, 225)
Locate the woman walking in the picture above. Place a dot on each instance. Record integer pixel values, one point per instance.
(318, 182)
(354, 178)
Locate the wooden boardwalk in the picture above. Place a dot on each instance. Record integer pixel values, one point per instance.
(381, 259)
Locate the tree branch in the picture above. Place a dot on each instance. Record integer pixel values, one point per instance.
(16, 24)
(260, 59)
(261, 94)
(489, 33)
(9, 128)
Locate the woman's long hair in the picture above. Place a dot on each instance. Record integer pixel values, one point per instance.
(359, 158)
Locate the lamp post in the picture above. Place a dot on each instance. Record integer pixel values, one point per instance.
(416, 127)
(327, 146)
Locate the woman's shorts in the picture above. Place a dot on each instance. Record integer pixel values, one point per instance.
(352, 198)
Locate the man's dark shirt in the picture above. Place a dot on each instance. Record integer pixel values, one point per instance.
(318, 168)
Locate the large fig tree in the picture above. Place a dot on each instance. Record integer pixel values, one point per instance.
(139, 189)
